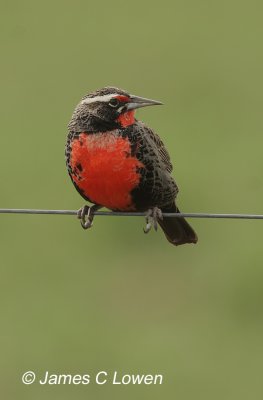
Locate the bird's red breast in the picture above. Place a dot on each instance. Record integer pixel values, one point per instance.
(104, 169)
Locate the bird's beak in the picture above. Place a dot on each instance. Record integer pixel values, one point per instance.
(138, 102)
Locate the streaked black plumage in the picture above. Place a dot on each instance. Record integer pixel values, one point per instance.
(157, 187)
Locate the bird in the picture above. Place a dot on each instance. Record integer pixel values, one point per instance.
(118, 162)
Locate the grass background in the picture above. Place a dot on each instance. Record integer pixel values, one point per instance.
(110, 299)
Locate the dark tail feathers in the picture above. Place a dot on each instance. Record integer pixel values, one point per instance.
(177, 230)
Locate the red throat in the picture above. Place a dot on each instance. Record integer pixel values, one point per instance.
(126, 119)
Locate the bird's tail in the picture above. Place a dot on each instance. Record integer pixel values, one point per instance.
(177, 230)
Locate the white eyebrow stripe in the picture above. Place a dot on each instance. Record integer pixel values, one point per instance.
(104, 98)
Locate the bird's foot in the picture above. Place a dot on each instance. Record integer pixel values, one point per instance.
(86, 215)
(152, 216)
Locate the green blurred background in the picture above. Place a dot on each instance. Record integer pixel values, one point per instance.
(75, 301)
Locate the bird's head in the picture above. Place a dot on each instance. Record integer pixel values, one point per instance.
(107, 108)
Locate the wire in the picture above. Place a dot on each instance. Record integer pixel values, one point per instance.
(129, 214)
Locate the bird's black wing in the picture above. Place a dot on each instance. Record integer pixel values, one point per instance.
(162, 152)
(157, 187)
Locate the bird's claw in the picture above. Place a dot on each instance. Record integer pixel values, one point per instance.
(86, 215)
(152, 216)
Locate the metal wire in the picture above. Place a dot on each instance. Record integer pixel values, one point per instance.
(129, 214)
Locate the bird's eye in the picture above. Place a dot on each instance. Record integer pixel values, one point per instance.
(114, 102)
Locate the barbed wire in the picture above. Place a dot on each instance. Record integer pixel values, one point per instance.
(129, 214)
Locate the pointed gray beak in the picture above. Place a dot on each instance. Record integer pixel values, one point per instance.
(138, 102)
